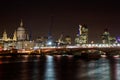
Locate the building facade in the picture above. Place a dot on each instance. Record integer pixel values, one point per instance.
(107, 38)
(82, 36)
(20, 39)
(21, 33)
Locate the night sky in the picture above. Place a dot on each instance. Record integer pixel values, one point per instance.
(60, 17)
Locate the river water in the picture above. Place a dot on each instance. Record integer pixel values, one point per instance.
(58, 68)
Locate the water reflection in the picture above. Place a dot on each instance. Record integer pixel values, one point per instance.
(118, 69)
(24, 74)
(49, 69)
(93, 70)
(58, 68)
(99, 70)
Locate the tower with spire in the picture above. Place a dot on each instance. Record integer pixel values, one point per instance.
(15, 36)
(5, 38)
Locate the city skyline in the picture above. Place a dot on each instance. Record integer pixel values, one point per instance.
(66, 17)
(81, 37)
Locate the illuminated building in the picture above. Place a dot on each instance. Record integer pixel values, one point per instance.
(40, 42)
(77, 39)
(19, 40)
(25, 45)
(118, 39)
(22, 38)
(6, 41)
(49, 41)
(107, 38)
(18, 35)
(15, 36)
(60, 41)
(68, 40)
(21, 33)
(4, 38)
(82, 36)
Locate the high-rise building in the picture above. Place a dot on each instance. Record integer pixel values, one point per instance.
(82, 36)
(107, 38)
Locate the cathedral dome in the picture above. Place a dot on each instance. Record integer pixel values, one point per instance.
(21, 29)
(21, 33)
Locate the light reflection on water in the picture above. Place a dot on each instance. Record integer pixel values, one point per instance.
(99, 70)
(58, 68)
(49, 69)
(118, 69)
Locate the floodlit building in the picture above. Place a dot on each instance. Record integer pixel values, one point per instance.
(19, 40)
(22, 38)
(82, 36)
(68, 40)
(50, 41)
(21, 33)
(107, 38)
(5, 38)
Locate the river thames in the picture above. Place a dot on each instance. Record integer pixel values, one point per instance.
(58, 68)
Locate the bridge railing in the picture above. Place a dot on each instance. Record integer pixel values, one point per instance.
(94, 46)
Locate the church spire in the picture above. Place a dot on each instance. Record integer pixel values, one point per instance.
(21, 23)
(15, 36)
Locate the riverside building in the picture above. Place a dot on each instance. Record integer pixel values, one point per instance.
(82, 36)
(20, 39)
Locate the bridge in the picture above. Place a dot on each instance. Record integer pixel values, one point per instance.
(102, 49)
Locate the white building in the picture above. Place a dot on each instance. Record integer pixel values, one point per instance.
(21, 33)
(20, 39)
